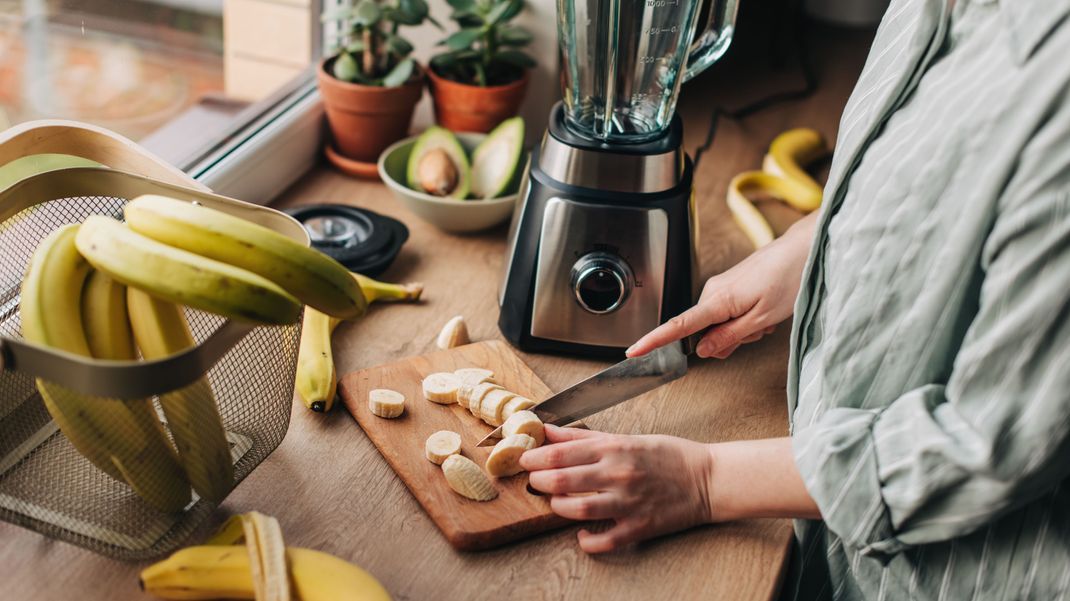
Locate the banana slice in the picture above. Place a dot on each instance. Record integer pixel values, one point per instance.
(490, 410)
(475, 398)
(517, 403)
(441, 388)
(467, 480)
(441, 445)
(504, 460)
(386, 403)
(524, 422)
(454, 333)
(474, 376)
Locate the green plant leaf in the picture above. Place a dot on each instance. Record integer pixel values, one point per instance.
(462, 5)
(399, 74)
(515, 58)
(355, 47)
(398, 45)
(345, 67)
(505, 11)
(469, 21)
(514, 35)
(435, 22)
(463, 38)
(367, 13)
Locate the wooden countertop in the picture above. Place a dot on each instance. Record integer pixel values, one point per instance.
(332, 491)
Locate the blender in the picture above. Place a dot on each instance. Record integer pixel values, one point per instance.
(602, 244)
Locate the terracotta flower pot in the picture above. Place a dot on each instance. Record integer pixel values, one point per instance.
(363, 119)
(461, 107)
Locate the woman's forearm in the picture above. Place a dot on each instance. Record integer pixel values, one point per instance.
(757, 478)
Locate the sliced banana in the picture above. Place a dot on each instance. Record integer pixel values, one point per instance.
(386, 403)
(504, 460)
(441, 445)
(490, 410)
(467, 479)
(475, 398)
(441, 388)
(473, 376)
(524, 422)
(454, 333)
(517, 403)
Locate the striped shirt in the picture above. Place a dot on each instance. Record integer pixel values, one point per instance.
(929, 384)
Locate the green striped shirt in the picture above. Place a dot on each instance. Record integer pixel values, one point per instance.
(929, 385)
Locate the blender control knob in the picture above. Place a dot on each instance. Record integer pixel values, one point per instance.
(601, 282)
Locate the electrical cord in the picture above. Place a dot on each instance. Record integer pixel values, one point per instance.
(810, 82)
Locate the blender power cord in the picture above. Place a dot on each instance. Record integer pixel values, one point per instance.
(810, 82)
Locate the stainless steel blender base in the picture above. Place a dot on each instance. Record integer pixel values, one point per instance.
(579, 241)
(601, 248)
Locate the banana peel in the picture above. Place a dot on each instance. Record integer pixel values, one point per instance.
(248, 559)
(317, 378)
(783, 176)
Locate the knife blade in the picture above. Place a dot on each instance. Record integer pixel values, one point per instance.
(611, 386)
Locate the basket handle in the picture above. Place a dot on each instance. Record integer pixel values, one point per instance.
(121, 379)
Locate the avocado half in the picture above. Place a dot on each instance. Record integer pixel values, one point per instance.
(433, 138)
(496, 161)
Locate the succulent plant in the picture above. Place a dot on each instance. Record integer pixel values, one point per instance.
(486, 50)
(372, 52)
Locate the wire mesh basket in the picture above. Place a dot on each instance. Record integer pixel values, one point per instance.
(46, 485)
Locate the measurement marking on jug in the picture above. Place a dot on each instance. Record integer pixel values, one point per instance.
(650, 60)
(660, 30)
(662, 3)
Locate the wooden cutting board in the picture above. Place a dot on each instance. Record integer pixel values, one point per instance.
(468, 525)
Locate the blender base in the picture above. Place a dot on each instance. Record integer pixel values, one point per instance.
(602, 245)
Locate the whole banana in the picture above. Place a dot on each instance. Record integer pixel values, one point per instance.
(155, 473)
(127, 446)
(183, 277)
(224, 572)
(317, 378)
(160, 330)
(316, 279)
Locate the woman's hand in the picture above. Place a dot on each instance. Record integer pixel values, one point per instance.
(649, 485)
(744, 303)
(654, 485)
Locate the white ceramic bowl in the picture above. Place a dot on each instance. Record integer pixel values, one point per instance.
(448, 214)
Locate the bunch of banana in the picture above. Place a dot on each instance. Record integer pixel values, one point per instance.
(263, 569)
(317, 378)
(783, 176)
(123, 439)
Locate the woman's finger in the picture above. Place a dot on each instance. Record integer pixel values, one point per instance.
(601, 506)
(558, 434)
(727, 334)
(622, 534)
(684, 324)
(570, 480)
(753, 337)
(725, 353)
(561, 454)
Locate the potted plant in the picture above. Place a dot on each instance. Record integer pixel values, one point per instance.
(481, 79)
(370, 87)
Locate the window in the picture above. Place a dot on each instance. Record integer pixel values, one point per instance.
(182, 77)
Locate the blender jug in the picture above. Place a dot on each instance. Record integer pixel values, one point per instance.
(623, 61)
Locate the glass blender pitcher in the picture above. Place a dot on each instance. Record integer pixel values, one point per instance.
(623, 61)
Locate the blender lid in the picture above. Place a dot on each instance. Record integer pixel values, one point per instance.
(362, 240)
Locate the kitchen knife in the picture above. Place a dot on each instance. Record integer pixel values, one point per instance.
(625, 380)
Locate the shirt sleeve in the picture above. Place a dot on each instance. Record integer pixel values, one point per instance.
(941, 461)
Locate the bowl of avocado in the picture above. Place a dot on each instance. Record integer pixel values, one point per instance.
(463, 182)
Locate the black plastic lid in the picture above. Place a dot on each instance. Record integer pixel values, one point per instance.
(362, 240)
